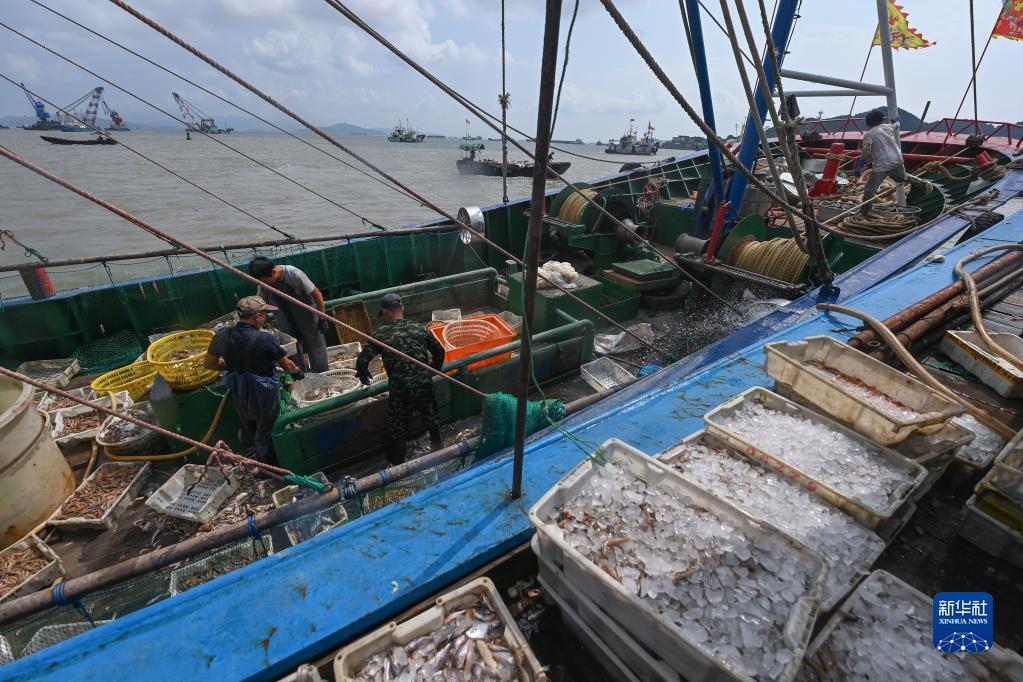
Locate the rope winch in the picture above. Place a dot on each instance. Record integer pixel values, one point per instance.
(779, 258)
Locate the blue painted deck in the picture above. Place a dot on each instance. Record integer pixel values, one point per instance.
(261, 621)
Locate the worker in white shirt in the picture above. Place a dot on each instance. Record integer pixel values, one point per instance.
(882, 154)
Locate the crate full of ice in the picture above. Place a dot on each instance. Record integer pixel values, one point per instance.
(716, 593)
(867, 480)
(883, 632)
(848, 548)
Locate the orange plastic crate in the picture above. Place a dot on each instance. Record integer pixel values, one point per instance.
(504, 335)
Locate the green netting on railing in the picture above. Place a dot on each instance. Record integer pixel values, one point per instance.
(59, 623)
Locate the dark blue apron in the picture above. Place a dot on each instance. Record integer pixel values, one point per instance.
(256, 397)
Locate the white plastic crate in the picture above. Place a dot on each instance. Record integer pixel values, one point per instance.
(1006, 476)
(48, 400)
(864, 561)
(632, 613)
(935, 452)
(616, 647)
(343, 379)
(310, 525)
(343, 349)
(866, 515)
(283, 496)
(994, 664)
(352, 657)
(970, 351)
(604, 374)
(990, 534)
(220, 562)
(44, 577)
(791, 365)
(182, 497)
(449, 315)
(123, 501)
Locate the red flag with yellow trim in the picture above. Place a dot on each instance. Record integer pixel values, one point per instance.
(903, 35)
(1010, 21)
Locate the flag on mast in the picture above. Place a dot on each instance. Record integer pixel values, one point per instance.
(1010, 21)
(903, 35)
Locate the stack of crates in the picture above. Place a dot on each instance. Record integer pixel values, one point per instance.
(994, 515)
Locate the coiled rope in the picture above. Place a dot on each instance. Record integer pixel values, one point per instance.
(884, 227)
(778, 258)
(574, 206)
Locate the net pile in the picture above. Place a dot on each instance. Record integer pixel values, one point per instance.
(498, 425)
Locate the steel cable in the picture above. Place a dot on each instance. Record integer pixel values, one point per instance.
(154, 161)
(170, 115)
(156, 232)
(369, 164)
(223, 99)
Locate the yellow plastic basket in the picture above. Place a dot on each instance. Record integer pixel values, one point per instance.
(136, 378)
(179, 359)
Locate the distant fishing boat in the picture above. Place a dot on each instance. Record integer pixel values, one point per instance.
(630, 143)
(470, 165)
(405, 133)
(93, 141)
(575, 141)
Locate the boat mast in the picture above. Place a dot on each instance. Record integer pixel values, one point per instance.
(694, 31)
(749, 147)
(545, 112)
(504, 117)
(889, 78)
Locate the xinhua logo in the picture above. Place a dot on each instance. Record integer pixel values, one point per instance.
(964, 622)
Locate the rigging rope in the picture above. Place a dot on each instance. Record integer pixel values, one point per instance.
(564, 67)
(154, 161)
(778, 258)
(224, 100)
(426, 202)
(156, 232)
(214, 138)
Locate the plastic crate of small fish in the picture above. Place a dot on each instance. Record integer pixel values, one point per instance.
(220, 562)
(717, 593)
(26, 566)
(1006, 476)
(343, 355)
(868, 481)
(468, 632)
(853, 388)
(79, 424)
(849, 549)
(883, 631)
(102, 497)
(987, 525)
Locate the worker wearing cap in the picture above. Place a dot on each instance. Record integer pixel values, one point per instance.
(411, 386)
(249, 357)
(307, 327)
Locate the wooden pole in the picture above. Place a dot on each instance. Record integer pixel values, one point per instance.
(545, 109)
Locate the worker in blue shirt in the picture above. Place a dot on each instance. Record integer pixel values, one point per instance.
(250, 358)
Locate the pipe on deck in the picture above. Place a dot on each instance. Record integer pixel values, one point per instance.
(76, 588)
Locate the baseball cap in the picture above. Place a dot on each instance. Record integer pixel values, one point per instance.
(250, 305)
(389, 302)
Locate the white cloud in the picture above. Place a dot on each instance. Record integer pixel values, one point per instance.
(258, 8)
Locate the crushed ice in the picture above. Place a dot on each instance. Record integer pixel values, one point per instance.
(845, 545)
(729, 594)
(985, 445)
(857, 470)
(874, 397)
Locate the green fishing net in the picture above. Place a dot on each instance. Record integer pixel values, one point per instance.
(498, 426)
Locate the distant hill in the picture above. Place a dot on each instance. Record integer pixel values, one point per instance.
(352, 129)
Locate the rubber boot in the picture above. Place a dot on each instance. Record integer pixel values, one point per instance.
(395, 452)
(436, 442)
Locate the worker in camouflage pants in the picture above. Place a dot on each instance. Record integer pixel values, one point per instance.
(411, 386)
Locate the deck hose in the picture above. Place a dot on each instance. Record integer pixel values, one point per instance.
(975, 312)
(172, 455)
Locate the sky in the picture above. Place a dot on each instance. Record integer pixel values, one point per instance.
(314, 60)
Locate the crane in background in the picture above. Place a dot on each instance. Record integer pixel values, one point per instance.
(68, 115)
(43, 119)
(116, 122)
(196, 119)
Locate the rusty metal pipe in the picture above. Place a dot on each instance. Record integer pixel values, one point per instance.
(76, 588)
(909, 315)
(944, 315)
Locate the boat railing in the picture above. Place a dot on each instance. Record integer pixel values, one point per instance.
(1001, 129)
(850, 124)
